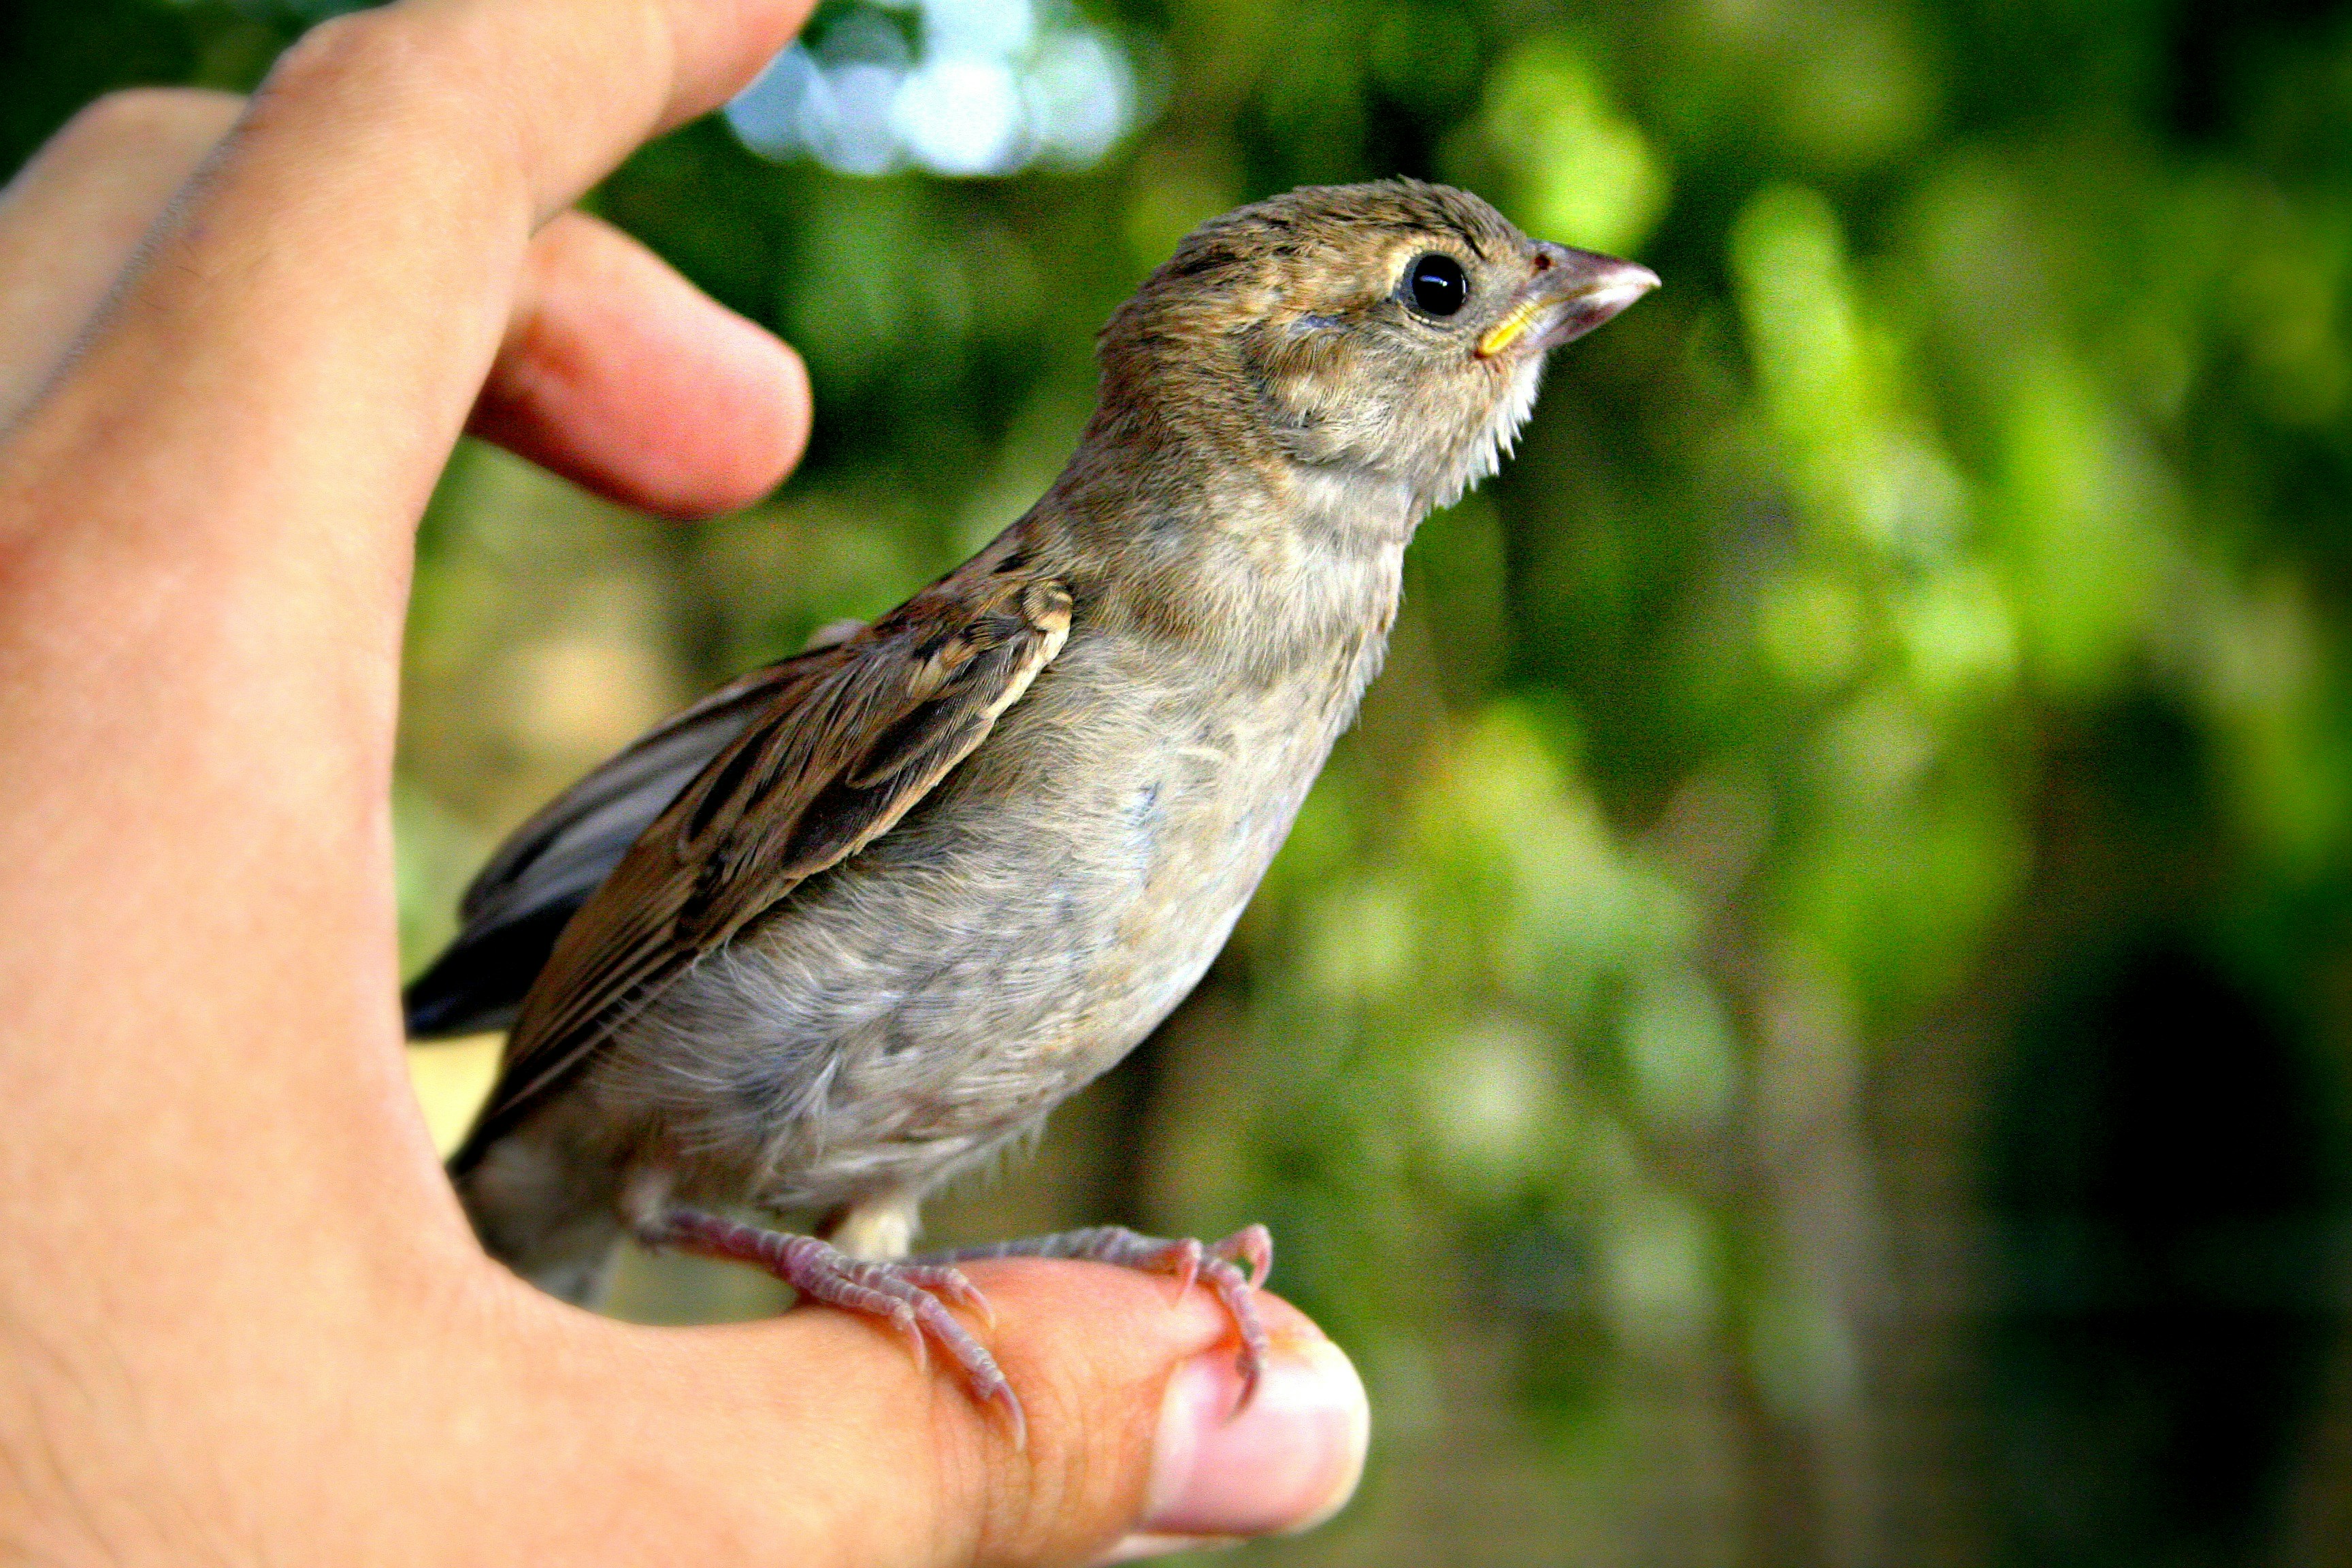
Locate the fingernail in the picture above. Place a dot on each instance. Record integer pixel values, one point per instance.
(1284, 1463)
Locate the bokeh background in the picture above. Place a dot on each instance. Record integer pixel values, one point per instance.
(1810, 1022)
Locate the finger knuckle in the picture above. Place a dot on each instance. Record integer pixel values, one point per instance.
(359, 49)
(438, 75)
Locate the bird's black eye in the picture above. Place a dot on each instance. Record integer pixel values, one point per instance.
(1437, 285)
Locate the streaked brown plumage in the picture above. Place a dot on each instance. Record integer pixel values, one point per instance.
(855, 922)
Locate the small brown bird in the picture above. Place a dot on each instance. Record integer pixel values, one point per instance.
(854, 924)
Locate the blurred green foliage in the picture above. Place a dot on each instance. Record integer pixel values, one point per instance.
(1673, 1050)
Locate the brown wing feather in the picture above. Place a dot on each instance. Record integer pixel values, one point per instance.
(853, 738)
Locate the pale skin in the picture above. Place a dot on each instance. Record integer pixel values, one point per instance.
(241, 1316)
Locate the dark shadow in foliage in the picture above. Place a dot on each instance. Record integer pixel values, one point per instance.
(2158, 1182)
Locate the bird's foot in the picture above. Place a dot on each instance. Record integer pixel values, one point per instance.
(1232, 1268)
(911, 1296)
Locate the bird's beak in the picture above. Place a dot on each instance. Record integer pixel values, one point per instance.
(1571, 292)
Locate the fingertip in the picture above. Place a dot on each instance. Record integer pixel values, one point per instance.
(573, 87)
(739, 424)
(621, 375)
(1284, 1463)
(719, 49)
(1119, 1385)
(796, 415)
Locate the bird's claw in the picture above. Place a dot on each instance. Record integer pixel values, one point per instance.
(1252, 1244)
(912, 1298)
(1233, 1270)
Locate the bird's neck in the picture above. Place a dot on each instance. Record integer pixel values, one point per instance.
(1250, 561)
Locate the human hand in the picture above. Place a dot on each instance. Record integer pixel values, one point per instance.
(239, 1310)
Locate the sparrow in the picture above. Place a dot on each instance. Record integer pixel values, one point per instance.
(857, 922)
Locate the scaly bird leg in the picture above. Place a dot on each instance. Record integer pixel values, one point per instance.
(1219, 1266)
(911, 1296)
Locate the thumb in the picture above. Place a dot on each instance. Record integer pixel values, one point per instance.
(1134, 1446)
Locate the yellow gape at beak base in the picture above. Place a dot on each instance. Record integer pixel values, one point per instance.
(1506, 332)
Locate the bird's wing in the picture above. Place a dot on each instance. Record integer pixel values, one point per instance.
(851, 738)
(528, 892)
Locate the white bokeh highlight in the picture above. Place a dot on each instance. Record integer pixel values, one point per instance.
(990, 88)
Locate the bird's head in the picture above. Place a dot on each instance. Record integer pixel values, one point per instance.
(1394, 333)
